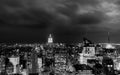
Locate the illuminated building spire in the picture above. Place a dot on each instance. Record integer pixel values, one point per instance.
(50, 39)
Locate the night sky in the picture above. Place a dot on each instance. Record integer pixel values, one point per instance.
(67, 20)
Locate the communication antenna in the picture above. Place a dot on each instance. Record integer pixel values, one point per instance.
(108, 37)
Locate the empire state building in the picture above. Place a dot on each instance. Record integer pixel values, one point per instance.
(50, 39)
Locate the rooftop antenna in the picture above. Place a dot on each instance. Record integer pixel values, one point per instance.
(108, 37)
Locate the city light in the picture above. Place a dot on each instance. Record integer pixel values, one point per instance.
(109, 46)
(59, 58)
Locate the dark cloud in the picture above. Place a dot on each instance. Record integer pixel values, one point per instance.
(35, 19)
(47, 14)
(11, 3)
(68, 20)
(88, 2)
(89, 19)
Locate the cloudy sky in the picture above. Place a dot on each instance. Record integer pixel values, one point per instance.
(67, 20)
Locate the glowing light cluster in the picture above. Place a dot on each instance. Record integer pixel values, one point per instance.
(118, 66)
(109, 46)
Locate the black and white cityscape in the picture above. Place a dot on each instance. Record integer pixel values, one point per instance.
(86, 58)
(59, 37)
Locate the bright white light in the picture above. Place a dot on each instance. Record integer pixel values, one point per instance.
(118, 66)
(14, 61)
(109, 46)
(50, 39)
(109, 65)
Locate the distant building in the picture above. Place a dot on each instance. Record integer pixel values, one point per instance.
(50, 39)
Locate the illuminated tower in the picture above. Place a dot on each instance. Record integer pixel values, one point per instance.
(50, 39)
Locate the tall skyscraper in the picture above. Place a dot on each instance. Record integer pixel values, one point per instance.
(50, 39)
